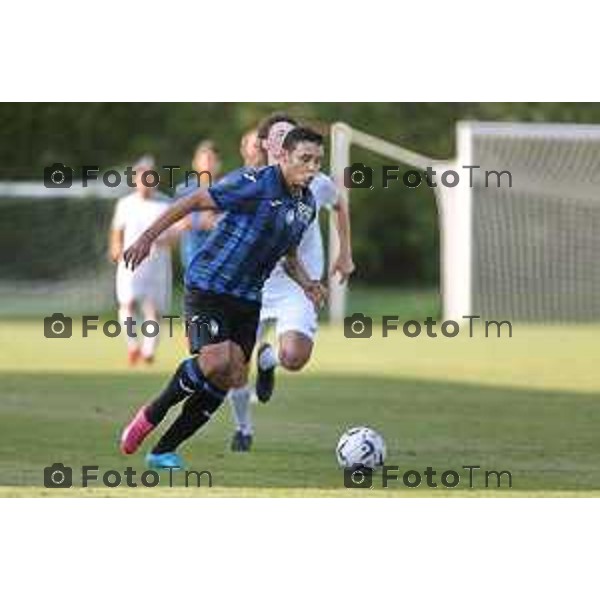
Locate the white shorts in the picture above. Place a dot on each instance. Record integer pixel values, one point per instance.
(150, 281)
(286, 303)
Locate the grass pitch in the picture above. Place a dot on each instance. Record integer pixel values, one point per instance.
(529, 404)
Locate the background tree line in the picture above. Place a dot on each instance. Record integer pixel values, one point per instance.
(395, 230)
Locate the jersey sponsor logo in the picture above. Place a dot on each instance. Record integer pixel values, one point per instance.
(305, 212)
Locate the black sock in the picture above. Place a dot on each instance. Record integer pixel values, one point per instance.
(187, 380)
(196, 412)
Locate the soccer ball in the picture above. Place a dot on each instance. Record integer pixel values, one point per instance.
(360, 447)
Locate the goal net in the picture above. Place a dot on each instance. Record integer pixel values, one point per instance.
(524, 246)
(53, 250)
(534, 247)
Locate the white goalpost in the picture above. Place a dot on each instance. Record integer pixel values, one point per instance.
(343, 137)
(520, 233)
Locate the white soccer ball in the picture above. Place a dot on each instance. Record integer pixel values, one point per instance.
(361, 447)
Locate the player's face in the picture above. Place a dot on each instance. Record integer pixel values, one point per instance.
(144, 190)
(250, 150)
(207, 160)
(301, 164)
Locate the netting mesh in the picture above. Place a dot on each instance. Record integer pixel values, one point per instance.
(53, 256)
(536, 246)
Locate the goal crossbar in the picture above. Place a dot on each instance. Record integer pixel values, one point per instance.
(343, 137)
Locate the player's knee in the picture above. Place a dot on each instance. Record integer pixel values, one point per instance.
(295, 349)
(225, 368)
(293, 358)
(213, 365)
(236, 373)
(217, 368)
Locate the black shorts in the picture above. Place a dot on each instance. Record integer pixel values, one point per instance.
(212, 318)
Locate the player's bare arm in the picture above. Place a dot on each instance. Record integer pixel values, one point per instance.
(209, 219)
(343, 264)
(115, 245)
(314, 289)
(198, 200)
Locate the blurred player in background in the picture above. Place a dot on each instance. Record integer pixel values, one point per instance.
(149, 288)
(284, 303)
(250, 150)
(197, 225)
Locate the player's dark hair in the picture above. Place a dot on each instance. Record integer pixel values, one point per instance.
(207, 146)
(265, 125)
(301, 134)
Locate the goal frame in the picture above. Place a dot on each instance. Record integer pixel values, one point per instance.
(454, 216)
(454, 204)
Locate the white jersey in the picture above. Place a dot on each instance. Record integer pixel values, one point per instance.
(134, 214)
(310, 249)
(152, 278)
(283, 301)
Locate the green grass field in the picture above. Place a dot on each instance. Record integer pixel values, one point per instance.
(530, 405)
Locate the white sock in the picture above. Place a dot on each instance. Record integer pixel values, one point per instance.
(149, 345)
(240, 404)
(268, 359)
(124, 313)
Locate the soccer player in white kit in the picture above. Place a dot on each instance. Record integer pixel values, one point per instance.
(148, 288)
(283, 302)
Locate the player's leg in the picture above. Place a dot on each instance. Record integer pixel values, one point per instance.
(239, 399)
(127, 305)
(243, 433)
(201, 381)
(149, 343)
(224, 366)
(296, 328)
(295, 349)
(127, 311)
(214, 371)
(156, 302)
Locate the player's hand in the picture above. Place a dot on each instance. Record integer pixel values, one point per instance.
(344, 265)
(317, 293)
(115, 255)
(137, 252)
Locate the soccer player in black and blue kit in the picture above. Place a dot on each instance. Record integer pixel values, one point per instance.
(266, 212)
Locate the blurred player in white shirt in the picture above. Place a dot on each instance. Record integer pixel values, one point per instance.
(283, 302)
(196, 226)
(148, 288)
